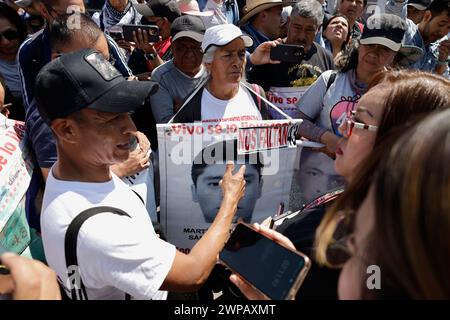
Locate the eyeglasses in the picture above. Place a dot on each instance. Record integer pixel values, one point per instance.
(9, 35)
(350, 123)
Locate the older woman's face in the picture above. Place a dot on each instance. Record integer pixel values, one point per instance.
(228, 64)
(353, 149)
(373, 58)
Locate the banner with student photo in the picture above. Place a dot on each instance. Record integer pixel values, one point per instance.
(314, 175)
(192, 161)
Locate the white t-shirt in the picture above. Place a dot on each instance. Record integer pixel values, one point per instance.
(239, 108)
(116, 254)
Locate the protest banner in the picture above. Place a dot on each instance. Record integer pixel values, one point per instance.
(15, 175)
(314, 175)
(286, 99)
(192, 160)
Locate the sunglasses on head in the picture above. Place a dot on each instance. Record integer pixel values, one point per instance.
(9, 35)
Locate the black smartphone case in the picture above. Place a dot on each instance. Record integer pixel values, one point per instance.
(127, 31)
(287, 53)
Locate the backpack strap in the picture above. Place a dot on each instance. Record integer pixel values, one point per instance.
(331, 80)
(102, 24)
(70, 244)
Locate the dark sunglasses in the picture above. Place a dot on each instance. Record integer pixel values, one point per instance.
(9, 35)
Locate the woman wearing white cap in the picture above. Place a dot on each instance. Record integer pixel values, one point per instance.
(224, 96)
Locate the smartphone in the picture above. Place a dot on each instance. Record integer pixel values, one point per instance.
(152, 32)
(287, 53)
(272, 269)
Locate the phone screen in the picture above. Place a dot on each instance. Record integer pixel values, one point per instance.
(267, 265)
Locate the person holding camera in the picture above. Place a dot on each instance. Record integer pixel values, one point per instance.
(303, 59)
(149, 55)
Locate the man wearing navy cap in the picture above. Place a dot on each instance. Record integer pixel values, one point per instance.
(185, 69)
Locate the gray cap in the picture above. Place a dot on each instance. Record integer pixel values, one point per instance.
(419, 4)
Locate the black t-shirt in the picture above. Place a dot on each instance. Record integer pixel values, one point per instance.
(290, 74)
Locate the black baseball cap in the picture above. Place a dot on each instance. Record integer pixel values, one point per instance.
(188, 26)
(384, 29)
(85, 79)
(159, 8)
(419, 4)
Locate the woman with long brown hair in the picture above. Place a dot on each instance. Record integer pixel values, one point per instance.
(402, 226)
(398, 101)
(407, 97)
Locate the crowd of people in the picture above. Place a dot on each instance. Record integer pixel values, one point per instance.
(372, 91)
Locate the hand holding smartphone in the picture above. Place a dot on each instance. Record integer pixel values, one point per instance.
(151, 30)
(287, 53)
(269, 267)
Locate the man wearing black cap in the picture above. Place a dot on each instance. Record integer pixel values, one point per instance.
(185, 69)
(86, 101)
